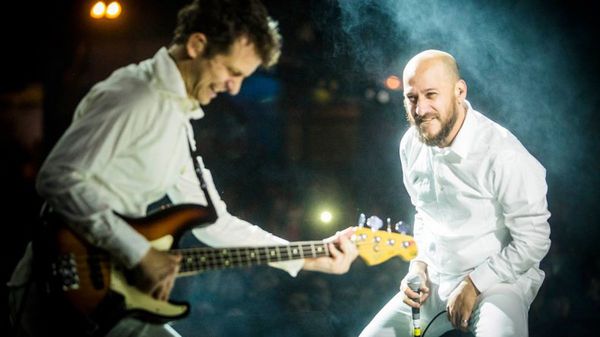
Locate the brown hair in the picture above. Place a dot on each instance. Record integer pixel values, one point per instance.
(224, 21)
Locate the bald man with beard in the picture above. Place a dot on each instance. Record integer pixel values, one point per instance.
(481, 221)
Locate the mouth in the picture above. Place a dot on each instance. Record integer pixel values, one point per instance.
(425, 121)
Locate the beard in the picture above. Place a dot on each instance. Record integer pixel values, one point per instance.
(447, 126)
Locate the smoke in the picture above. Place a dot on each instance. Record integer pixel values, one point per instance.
(524, 64)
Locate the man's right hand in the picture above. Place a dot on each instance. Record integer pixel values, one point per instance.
(156, 272)
(410, 296)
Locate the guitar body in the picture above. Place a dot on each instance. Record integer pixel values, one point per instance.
(85, 278)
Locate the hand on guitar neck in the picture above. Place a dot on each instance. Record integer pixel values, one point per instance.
(156, 273)
(343, 252)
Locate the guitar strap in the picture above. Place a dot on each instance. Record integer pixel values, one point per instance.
(165, 201)
(195, 154)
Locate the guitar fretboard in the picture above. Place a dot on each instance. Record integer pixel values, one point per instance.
(196, 260)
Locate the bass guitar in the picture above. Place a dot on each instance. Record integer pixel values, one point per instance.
(86, 279)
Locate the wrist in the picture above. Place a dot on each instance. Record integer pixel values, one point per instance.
(417, 267)
(471, 284)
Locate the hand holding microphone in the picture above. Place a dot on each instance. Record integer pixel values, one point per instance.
(416, 292)
(414, 284)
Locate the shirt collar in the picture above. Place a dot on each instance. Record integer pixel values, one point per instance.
(168, 79)
(464, 139)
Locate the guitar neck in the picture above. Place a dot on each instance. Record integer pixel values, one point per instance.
(196, 260)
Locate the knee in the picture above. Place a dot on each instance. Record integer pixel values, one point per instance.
(500, 314)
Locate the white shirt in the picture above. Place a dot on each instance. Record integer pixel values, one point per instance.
(481, 205)
(126, 147)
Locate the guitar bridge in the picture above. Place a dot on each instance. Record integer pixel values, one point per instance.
(64, 272)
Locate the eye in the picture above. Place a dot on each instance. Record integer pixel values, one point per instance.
(431, 95)
(411, 99)
(234, 73)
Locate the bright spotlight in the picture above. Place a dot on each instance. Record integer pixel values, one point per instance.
(101, 10)
(97, 11)
(113, 10)
(326, 217)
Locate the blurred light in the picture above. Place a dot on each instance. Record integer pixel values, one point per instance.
(326, 217)
(101, 10)
(383, 97)
(113, 10)
(98, 10)
(393, 82)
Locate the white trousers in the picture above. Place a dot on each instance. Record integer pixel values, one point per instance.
(500, 311)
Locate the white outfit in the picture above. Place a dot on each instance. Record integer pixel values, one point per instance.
(481, 211)
(126, 148)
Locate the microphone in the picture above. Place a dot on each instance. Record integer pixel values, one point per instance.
(414, 283)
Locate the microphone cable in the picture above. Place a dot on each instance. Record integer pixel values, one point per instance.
(433, 319)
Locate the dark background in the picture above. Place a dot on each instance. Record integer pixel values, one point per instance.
(321, 130)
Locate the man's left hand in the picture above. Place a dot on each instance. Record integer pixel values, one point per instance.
(461, 303)
(340, 260)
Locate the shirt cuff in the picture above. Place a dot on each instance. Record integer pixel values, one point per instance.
(483, 277)
(126, 244)
(293, 267)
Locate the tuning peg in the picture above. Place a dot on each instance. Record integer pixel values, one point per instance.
(374, 222)
(401, 227)
(389, 225)
(361, 220)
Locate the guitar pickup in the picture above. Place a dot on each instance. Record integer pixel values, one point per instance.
(64, 272)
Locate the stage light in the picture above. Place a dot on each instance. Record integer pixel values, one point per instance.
(326, 217)
(393, 82)
(101, 10)
(98, 10)
(113, 10)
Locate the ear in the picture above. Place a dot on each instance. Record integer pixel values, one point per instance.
(195, 45)
(460, 89)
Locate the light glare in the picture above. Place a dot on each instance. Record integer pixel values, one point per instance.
(98, 10)
(393, 82)
(113, 10)
(326, 217)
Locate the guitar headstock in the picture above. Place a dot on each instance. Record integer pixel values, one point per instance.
(377, 246)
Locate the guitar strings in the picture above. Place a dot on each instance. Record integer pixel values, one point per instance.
(209, 252)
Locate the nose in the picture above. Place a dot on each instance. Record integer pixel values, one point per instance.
(233, 85)
(422, 108)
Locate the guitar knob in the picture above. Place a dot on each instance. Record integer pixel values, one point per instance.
(401, 227)
(361, 220)
(374, 222)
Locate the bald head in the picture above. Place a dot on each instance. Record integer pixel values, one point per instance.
(434, 96)
(444, 62)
